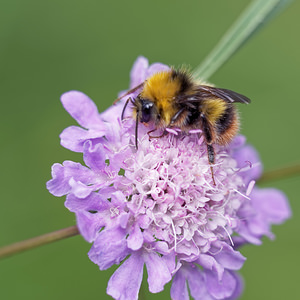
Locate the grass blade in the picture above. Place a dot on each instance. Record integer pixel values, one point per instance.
(256, 15)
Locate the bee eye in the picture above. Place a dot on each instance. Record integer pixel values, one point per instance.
(146, 111)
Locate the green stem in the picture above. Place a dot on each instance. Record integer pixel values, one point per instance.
(280, 173)
(38, 241)
(256, 15)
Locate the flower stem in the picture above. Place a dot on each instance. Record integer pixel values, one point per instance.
(280, 173)
(38, 241)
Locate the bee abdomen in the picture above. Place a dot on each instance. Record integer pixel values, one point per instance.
(227, 125)
(226, 119)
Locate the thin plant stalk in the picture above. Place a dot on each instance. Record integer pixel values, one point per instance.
(38, 241)
(280, 173)
(258, 14)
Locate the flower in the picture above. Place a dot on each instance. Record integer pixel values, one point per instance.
(157, 205)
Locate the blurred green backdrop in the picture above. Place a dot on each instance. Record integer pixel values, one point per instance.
(49, 47)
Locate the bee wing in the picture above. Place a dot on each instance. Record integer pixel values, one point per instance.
(224, 94)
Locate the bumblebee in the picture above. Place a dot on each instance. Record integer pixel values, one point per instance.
(174, 99)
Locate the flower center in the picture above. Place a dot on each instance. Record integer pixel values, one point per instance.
(172, 186)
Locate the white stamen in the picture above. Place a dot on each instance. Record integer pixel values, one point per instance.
(195, 131)
(175, 238)
(246, 168)
(201, 140)
(170, 130)
(196, 246)
(114, 211)
(250, 187)
(231, 241)
(241, 194)
(215, 253)
(228, 220)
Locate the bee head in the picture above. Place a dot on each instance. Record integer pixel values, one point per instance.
(145, 110)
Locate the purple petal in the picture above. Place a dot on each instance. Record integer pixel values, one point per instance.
(82, 109)
(267, 207)
(113, 113)
(114, 137)
(141, 70)
(170, 260)
(158, 271)
(125, 283)
(191, 274)
(245, 155)
(144, 222)
(92, 214)
(62, 174)
(238, 141)
(248, 235)
(92, 203)
(220, 289)
(96, 202)
(138, 71)
(179, 290)
(162, 248)
(95, 211)
(118, 199)
(87, 226)
(155, 68)
(135, 239)
(229, 258)
(109, 248)
(208, 262)
(80, 189)
(259, 227)
(123, 220)
(243, 228)
(94, 156)
(239, 286)
(74, 137)
(197, 284)
(272, 204)
(238, 241)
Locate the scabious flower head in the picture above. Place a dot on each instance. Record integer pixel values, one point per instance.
(158, 206)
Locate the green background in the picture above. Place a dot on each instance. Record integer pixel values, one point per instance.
(49, 47)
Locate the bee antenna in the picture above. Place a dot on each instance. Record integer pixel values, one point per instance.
(124, 108)
(128, 92)
(136, 129)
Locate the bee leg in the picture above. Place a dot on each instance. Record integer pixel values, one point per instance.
(177, 116)
(208, 136)
(156, 137)
(211, 160)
